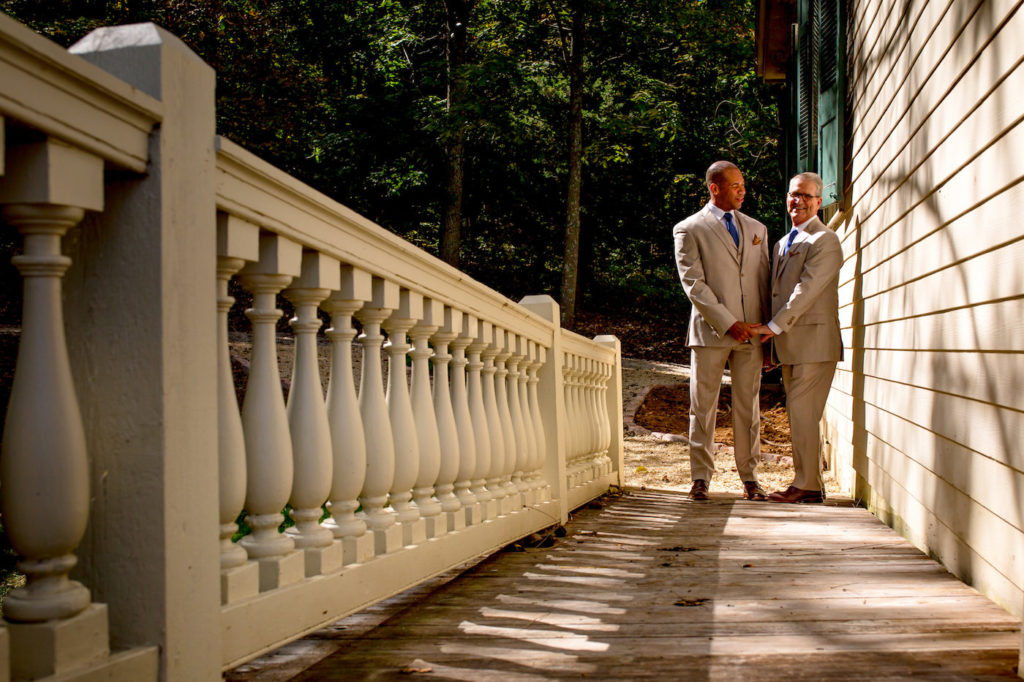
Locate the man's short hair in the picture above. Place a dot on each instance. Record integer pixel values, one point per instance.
(717, 170)
(810, 177)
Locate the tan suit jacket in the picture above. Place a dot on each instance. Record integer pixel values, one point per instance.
(724, 283)
(805, 299)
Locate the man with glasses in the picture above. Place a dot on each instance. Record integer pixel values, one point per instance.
(722, 256)
(805, 329)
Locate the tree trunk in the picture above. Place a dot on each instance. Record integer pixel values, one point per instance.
(570, 262)
(455, 140)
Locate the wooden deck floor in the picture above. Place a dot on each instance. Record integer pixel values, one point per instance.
(652, 586)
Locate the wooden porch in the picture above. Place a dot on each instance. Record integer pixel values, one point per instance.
(647, 585)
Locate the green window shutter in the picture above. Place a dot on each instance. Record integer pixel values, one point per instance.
(807, 86)
(831, 98)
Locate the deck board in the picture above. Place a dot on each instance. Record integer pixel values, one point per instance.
(650, 586)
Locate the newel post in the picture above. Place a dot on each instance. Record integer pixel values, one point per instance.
(141, 310)
(551, 401)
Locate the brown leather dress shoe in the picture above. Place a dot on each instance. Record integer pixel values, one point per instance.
(753, 491)
(699, 489)
(794, 495)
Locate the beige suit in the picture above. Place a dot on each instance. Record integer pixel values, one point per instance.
(725, 283)
(805, 306)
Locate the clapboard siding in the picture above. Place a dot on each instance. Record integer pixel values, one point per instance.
(928, 405)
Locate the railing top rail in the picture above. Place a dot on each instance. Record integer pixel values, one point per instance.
(581, 345)
(260, 193)
(63, 95)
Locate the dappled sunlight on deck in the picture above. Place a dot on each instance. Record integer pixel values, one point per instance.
(653, 586)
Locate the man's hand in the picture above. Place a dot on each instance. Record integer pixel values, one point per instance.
(742, 331)
(764, 330)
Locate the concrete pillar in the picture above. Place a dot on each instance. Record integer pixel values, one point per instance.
(141, 306)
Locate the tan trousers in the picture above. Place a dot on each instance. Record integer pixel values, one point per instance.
(807, 387)
(706, 367)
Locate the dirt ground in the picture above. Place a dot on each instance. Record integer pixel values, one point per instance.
(655, 406)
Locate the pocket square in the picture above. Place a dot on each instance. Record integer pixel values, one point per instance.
(757, 240)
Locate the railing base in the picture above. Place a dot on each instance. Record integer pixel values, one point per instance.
(324, 560)
(414, 532)
(254, 627)
(357, 550)
(387, 541)
(75, 648)
(282, 571)
(239, 583)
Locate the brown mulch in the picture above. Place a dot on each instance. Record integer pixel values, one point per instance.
(665, 410)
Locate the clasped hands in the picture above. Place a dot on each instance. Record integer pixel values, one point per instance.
(744, 331)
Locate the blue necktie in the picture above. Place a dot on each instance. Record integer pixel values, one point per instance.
(792, 236)
(732, 229)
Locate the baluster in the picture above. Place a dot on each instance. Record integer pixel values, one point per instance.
(515, 411)
(589, 418)
(572, 433)
(403, 423)
(604, 421)
(508, 433)
(268, 446)
(427, 433)
(237, 241)
(463, 420)
(43, 463)
(307, 418)
(447, 429)
(524, 430)
(497, 468)
(380, 443)
(529, 433)
(348, 442)
(537, 475)
(478, 415)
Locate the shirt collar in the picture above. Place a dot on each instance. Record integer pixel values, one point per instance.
(802, 227)
(718, 213)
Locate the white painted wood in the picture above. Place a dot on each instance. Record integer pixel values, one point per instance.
(447, 428)
(537, 466)
(515, 411)
(43, 460)
(427, 434)
(403, 423)
(478, 412)
(525, 437)
(63, 95)
(380, 444)
(231, 438)
(613, 405)
(495, 473)
(253, 189)
(508, 434)
(312, 453)
(463, 417)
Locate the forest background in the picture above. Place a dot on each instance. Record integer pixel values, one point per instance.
(542, 146)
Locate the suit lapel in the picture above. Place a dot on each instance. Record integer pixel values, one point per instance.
(718, 229)
(811, 228)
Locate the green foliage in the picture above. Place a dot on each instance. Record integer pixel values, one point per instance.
(349, 96)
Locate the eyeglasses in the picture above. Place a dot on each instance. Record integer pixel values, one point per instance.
(803, 197)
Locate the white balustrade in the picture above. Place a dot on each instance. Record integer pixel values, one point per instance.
(537, 466)
(478, 415)
(447, 428)
(427, 434)
(495, 426)
(529, 433)
(497, 443)
(515, 410)
(268, 447)
(237, 241)
(380, 444)
(463, 418)
(403, 423)
(348, 442)
(307, 417)
(43, 462)
(508, 433)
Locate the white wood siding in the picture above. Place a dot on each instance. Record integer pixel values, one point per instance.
(926, 416)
